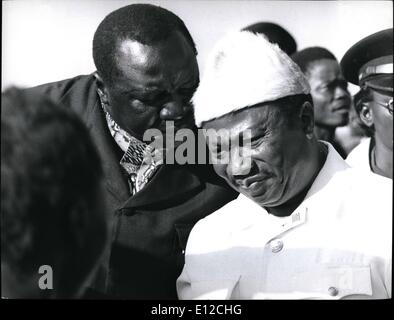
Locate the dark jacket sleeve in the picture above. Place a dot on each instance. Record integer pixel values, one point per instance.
(78, 93)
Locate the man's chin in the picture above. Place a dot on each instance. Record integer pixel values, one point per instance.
(268, 198)
(258, 198)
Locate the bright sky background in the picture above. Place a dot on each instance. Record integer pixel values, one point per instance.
(47, 40)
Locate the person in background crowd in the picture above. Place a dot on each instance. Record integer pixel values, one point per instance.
(146, 75)
(275, 34)
(298, 230)
(350, 136)
(331, 99)
(369, 64)
(52, 213)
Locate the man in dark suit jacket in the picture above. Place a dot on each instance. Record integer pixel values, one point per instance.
(146, 75)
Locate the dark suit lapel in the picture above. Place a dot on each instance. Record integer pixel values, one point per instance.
(170, 182)
(116, 182)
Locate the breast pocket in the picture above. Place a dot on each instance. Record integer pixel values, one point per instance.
(335, 283)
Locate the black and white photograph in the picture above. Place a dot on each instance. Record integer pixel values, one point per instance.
(196, 150)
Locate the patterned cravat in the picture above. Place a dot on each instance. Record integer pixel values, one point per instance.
(140, 160)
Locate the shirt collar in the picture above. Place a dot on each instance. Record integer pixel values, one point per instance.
(317, 201)
(313, 202)
(333, 164)
(140, 161)
(121, 137)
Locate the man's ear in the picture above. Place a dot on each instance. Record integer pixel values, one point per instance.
(307, 118)
(366, 115)
(100, 82)
(101, 86)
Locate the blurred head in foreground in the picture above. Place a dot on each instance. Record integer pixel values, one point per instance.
(53, 226)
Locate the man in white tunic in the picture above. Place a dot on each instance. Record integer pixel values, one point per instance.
(306, 225)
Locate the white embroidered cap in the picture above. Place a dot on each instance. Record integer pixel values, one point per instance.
(245, 69)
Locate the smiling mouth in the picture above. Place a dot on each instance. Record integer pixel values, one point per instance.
(255, 189)
(250, 184)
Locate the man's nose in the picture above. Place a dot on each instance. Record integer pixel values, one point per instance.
(173, 110)
(239, 164)
(342, 93)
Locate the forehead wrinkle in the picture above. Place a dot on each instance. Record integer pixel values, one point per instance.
(265, 115)
(252, 119)
(175, 48)
(143, 61)
(146, 65)
(141, 85)
(131, 75)
(128, 49)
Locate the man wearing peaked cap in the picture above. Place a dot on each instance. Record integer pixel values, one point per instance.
(369, 64)
(298, 229)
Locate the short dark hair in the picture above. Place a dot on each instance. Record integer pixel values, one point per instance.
(145, 23)
(289, 107)
(275, 34)
(360, 98)
(305, 57)
(49, 166)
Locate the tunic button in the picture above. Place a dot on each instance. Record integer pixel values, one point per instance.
(333, 291)
(276, 245)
